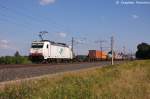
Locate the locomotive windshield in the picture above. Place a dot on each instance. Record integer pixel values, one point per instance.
(37, 45)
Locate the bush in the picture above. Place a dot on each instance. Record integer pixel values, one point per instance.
(143, 51)
(14, 60)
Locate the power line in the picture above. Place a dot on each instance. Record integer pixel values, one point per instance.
(41, 34)
(11, 20)
(24, 15)
(14, 23)
(30, 17)
(45, 18)
(76, 41)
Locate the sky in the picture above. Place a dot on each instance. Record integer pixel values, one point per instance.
(88, 21)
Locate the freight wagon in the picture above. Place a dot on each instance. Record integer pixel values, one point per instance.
(95, 55)
(117, 56)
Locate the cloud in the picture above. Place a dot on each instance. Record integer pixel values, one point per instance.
(62, 34)
(117, 2)
(134, 16)
(46, 2)
(4, 44)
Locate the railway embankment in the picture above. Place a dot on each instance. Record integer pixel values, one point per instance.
(130, 80)
(17, 72)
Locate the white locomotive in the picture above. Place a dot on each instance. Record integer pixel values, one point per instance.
(49, 51)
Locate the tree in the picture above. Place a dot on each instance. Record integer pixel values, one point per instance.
(17, 54)
(143, 51)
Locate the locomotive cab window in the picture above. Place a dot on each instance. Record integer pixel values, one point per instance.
(37, 46)
(47, 46)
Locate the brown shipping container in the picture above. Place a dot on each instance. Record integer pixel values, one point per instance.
(95, 54)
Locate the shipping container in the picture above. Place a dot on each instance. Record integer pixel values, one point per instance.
(97, 55)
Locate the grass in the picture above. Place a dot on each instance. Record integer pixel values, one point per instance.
(130, 80)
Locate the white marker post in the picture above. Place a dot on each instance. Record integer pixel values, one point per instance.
(112, 49)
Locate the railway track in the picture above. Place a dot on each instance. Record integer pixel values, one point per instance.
(34, 65)
(15, 72)
(41, 65)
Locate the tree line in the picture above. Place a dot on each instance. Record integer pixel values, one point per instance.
(16, 59)
(143, 51)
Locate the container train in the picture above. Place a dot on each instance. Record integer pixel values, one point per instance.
(49, 51)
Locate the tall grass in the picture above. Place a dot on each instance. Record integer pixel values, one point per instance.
(126, 81)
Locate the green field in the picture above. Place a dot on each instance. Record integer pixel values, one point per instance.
(130, 80)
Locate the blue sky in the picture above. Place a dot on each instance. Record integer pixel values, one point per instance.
(91, 20)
